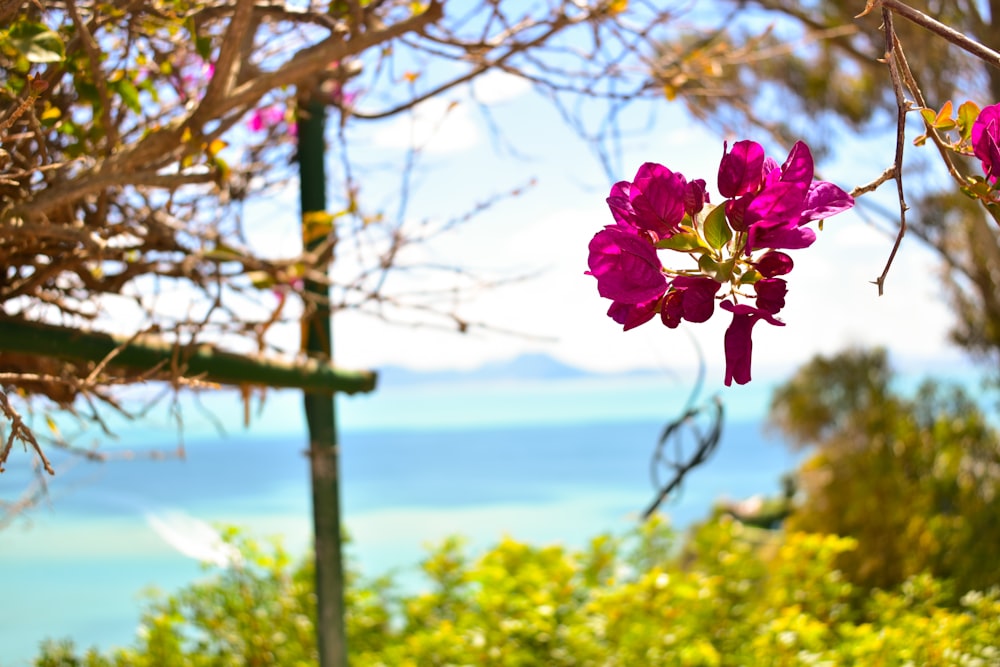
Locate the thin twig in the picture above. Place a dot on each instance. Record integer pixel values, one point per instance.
(987, 55)
(901, 109)
(886, 175)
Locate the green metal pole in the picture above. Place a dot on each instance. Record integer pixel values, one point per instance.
(320, 408)
(207, 362)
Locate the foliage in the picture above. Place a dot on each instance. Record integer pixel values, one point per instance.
(914, 479)
(732, 595)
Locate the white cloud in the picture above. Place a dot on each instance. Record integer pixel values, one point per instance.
(448, 125)
(496, 86)
(435, 126)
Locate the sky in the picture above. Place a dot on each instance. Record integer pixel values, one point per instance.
(832, 302)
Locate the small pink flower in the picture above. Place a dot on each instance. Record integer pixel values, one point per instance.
(266, 118)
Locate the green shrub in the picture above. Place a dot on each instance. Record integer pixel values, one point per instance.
(734, 595)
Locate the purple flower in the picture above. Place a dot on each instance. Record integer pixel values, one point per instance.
(741, 170)
(823, 200)
(779, 234)
(780, 203)
(626, 266)
(738, 343)
(985, 137)
(768, 205)
(695, 197)
(777, 215)
(632, 315)
(736, 211)
(798, 167)
(690, 298)
(771, 294)
(773, 264)
(621, 205)
(657, 198)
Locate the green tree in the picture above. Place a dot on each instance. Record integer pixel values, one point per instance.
(914, 479)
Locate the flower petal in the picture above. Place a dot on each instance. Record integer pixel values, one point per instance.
(798, 167)
(741, 170)
(778, 204)
(632, 315)
(657, 197)
(698, 296)
(771, 294)
(824, 200)
(620, 205)
(774, 264)
(626, 266)
(738, 342)
(784, 236)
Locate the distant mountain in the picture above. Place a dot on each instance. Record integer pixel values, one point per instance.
(534, 366)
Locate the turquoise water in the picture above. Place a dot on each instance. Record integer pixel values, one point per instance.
(543, 461)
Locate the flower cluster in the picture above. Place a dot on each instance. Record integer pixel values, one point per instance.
(736, 246)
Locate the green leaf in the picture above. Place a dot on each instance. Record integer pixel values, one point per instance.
(717, 232)
(203, 46)
(720, 271)
(37, 43)
(686, 242)
(88, 91)
(129, 94)
(968, 112)
(725, 272)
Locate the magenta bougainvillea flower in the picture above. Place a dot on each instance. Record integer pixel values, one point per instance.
(985, 139)
(741, 169)
(631, 315)
(653, 202)
(738, 343)
(737, 246)
(690, 298)
(626, 266)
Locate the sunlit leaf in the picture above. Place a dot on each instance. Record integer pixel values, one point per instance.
(684, 242)
(717, 231)
(37, 43)
(967, 114)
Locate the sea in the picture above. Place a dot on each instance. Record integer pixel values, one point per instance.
(544, 460)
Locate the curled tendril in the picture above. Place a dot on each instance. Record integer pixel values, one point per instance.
(702, 424)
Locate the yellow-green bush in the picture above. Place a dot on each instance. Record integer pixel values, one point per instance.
(734, 595)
